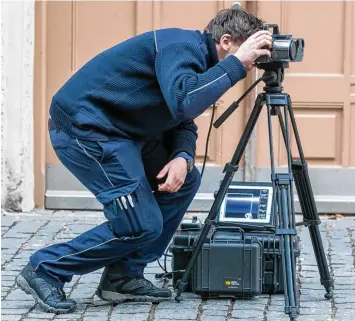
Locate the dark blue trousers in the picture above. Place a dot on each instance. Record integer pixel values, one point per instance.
(141, 221)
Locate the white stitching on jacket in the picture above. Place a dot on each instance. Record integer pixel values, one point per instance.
(206, 84)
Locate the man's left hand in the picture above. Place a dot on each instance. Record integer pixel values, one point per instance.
(177, 171)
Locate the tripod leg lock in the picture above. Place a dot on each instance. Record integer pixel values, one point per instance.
(230, 168)
(286, 231)
(282, 178)
(292, 311)
(328, 284)
(210, 222)
(308, 222)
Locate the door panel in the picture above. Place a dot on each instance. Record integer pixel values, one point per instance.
(319, 85)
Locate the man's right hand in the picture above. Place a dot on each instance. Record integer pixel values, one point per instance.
(250, 50)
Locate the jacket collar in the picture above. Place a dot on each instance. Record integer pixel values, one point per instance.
(211, 47)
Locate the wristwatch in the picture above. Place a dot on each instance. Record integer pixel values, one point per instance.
(189, 160)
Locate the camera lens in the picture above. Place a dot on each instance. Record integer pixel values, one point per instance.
(293, 50)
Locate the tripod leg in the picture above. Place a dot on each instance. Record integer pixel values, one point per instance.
(229, 169)
(285, 228)
(291, 307)
(309, 209)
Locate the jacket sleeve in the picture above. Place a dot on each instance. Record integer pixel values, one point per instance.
(187, 88)
(181, 138)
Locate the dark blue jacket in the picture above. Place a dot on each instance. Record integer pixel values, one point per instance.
(152, 84)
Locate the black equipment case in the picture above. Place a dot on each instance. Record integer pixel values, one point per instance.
(219, 261)
(228, 265)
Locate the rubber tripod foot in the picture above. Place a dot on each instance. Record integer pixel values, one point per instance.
(178, 297)
(328, 295)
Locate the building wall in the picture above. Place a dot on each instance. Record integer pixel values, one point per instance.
(17, 42)
(321, 87)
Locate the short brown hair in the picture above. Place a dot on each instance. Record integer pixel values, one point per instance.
(235, 22)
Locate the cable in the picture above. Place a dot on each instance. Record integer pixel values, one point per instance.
(202, 171)
(207, 140)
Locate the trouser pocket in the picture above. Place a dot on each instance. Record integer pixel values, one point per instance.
(135, 213)
(93, 149)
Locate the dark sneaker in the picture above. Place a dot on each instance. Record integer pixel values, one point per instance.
(49, 297)
(127, 288)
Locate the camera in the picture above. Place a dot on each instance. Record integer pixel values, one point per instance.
(284, 48)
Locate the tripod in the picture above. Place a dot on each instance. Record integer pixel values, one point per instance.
(277, 104)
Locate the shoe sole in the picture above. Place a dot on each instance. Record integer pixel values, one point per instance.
(24, 286)
(117, 297)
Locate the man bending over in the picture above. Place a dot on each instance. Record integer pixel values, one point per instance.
(123, 125)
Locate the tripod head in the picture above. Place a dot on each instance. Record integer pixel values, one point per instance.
(272, 77)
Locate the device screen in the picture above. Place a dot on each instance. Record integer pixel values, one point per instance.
(247, 204)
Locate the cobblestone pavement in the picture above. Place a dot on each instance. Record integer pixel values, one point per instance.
(24, 233)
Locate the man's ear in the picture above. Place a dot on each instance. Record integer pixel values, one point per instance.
(225, 42)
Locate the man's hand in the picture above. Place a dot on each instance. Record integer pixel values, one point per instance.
(250, 50)
(177, 171)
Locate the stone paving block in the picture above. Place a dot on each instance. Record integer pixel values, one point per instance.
(9, 283)
(168, 318)
(215, 308)
(22, 228)
(345, 314)
(40, 315)
(277, 308)
(10, 317)
(129, 317)
(12, 243)
(18, 294)
(7, 220)
(71, 316)
(82, 292)
(215, 312)
(11, 311)
(272, 316)
(14, 266)
(317, 293)
(315, 311)
(248, 313)
(93, 318)
(172, 304)
(256, 303)
(212, 318)
(27, 305)
(314, 318)
(93, 309)
(346, 298)
(247, 319)
(177, 315)
(345, 306)
(132, 308)
(341, 273)
(214, 303)
(316, 304)
(344, 281)
(91, 277)
(3, 294)
(6, 258)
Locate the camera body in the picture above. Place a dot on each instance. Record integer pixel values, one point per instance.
(284, 48)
